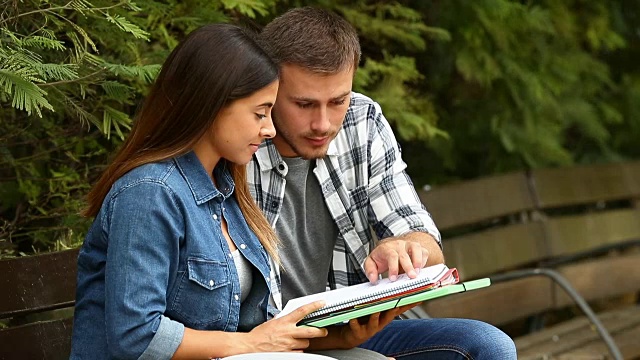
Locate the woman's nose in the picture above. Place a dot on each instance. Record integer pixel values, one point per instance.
(268, 130)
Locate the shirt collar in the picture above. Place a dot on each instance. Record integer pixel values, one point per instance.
(200, 183)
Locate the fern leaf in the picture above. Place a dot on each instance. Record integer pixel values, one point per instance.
(81, 6)
(116, 119)
(247, 7)
(41, 42)
(85, 117)
(117, 91)
(49, 34)
(132, 6)
(93, 59)
(10, 34)
(145, 73)
(22, 57)
(21, 64)
(85, 36)
(26, 95)
(123, 24)
(57, 71)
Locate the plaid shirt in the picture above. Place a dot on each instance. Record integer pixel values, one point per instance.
(365, 187)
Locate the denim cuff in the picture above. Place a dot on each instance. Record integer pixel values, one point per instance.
(166, 340)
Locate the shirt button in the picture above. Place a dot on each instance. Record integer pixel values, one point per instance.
(243, 246)
(211, 282)
(215, 217)
(236, 297)
(230, 255)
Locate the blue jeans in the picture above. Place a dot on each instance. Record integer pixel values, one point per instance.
(415, 339)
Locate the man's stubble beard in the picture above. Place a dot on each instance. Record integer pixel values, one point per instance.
(289, 140)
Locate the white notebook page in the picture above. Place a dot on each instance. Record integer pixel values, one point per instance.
(427, 275)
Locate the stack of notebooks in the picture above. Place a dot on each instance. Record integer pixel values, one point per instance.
(356, 301)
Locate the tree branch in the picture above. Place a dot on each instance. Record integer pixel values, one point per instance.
(72, 81)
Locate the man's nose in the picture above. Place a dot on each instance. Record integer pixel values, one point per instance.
(320, 123)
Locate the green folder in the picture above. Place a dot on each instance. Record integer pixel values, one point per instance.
(346, 315)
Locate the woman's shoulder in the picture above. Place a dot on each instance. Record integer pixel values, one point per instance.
(150, 187)
(152, 177)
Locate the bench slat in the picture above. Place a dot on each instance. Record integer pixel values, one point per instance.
(48, 340)
(574, 234)
(586, 184)
(603, 278)
(496, 250)
(626, 340)
(477, 200)
(41, 282)
(497, 304)
(576, 335)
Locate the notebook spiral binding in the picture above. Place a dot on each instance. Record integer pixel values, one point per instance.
(354, 301)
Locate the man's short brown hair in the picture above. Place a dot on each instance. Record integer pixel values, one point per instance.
(312, 38)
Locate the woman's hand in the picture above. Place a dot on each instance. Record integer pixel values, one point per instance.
(282, 334)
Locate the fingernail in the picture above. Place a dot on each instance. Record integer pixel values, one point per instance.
(417, 270)
(372, 278)
(393, 277)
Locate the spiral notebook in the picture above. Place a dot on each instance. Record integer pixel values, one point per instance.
(364, 299)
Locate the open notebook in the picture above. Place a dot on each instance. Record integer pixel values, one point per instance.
(364, 299)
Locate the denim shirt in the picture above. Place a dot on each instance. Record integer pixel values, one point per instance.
(155, 260)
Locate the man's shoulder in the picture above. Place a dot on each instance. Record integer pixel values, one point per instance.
(362, 110)
(360, 101)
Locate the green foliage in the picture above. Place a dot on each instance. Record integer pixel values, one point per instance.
(471, 88)
(67, 82)
(525, 84)
(71, 75)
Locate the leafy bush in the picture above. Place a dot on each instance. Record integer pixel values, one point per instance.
(471, 88)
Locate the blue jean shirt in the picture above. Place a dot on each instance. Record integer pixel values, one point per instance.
(155, 260)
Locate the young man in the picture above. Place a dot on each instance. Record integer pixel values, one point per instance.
(332, 177)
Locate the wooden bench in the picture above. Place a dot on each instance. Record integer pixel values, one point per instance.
(38, 293)
(581, 222)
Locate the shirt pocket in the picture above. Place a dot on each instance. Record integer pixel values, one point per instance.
(203, 298)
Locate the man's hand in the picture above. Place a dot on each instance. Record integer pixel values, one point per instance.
(357, 331)
(407, 253)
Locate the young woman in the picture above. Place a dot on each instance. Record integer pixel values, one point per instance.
(176, 263)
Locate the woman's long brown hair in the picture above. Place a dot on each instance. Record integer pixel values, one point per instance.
(215, 65)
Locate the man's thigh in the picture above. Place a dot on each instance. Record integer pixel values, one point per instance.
(352, 354)
(442, 339)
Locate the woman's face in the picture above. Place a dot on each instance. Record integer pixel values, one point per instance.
(239, 128)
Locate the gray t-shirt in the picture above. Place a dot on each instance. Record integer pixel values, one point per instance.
(307, 231)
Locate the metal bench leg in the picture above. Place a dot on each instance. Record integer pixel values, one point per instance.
(416, 313)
